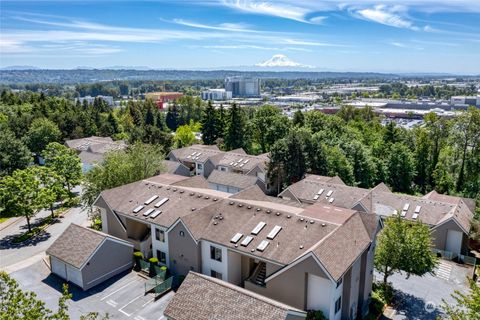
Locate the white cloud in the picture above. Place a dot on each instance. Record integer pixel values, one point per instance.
(234, 27)
(398, 44)
(241, 46)
(389, 16)
(280, 60)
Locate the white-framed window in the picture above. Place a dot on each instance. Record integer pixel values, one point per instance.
(199, 166)
(215, 274)
(338, 304)
(159, 235)
(215, 253)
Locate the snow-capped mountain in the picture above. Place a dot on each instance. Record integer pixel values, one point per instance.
(281, 60)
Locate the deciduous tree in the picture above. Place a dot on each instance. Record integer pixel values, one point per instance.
(65, 162)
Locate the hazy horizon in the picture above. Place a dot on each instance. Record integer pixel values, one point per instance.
(390, 36)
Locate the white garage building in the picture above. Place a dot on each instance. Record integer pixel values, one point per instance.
(86, 257)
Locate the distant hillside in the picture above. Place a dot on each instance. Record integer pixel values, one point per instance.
(8, 76)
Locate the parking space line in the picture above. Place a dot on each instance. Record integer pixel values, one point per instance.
(128, 315)
(139, 318)
(147, 302)
(108, 295)
(112, 303)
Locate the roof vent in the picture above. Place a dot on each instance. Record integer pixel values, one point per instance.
(231, 203)
(301, 247)
(174, 189)
(268, 211)
(220, 218)
(181, 191)
(193, 209)
(168, 188)
(289, 216)
(207, 197)
(192, 193)
(240, 205)
(249, 207)
(311, 221)
(324, 225)
(253, 250)
(278, 213)
(215, 199)
(215, 223)
(199, 196)
(258, 209)
(302, 219)
(216, 217)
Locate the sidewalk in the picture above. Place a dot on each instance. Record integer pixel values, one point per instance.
(9, 222)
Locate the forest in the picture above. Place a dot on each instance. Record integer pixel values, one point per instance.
(442, 154)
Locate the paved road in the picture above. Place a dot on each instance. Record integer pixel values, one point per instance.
(14, 257)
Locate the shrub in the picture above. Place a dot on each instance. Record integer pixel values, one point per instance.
(315, 315)
(138, 254)
(153, 260)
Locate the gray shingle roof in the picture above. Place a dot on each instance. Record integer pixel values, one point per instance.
(204, 298)
(240, 181)
(76, 244)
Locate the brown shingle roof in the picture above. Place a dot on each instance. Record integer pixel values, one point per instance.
(340, 249)
(240, 181)
(193, 182)
(204, 298)
(172, 166)
(76, 244)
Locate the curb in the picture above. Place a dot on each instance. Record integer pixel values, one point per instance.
(9, 222)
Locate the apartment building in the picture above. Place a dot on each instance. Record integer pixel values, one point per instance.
(448, 216)
(307, 256)
(203, 160)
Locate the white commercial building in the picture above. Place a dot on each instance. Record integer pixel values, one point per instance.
(216, 94)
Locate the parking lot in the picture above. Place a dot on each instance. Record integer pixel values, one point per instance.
(122, 297)
(421, 297)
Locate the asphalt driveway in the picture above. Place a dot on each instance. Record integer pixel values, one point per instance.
(122, 297)
(421, 297)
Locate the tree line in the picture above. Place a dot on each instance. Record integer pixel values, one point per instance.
(442, 154)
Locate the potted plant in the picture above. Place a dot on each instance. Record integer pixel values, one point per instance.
(137, 256)
(153, 262)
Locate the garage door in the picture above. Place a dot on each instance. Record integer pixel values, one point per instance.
(454, 241)
(58, 268)
(318, 298)
(74, 275)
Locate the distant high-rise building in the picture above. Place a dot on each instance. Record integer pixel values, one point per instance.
(243, 87)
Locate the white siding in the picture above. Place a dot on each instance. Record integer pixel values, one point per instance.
(318, 294)
(158, 245)
(209, 264)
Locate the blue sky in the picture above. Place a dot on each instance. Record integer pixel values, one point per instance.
(350, 35)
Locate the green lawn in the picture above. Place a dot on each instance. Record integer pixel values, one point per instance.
(2, 219)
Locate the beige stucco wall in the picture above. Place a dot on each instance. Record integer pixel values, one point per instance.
(184, 253)
(439, 235)
(104, 265)
(290, 287)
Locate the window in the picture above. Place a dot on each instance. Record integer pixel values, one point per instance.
(182, 234)
(199, 166)
(223, 169)
(161, 256)
(216, 253)
(215, 274)
(338, 305)
(159, 235)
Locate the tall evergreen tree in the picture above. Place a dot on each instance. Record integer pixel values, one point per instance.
(401, 168)
(210, 125)
(235, 132)
(173, 117)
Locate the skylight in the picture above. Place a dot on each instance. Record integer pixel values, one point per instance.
(236, 237)
(258, 228)
(246, 241)
(150, 200)
(263, 245)
(274, 232)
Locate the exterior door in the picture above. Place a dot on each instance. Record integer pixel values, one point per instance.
(454, 242)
